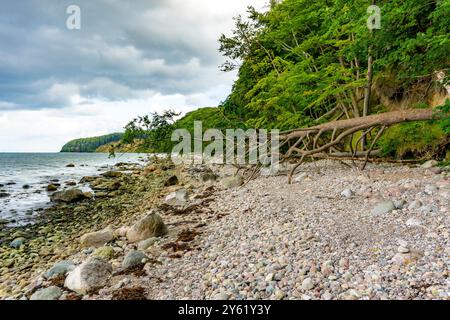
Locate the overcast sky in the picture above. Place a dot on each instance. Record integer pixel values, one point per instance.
(129, 58)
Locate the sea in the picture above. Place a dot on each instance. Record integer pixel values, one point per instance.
(24, 178)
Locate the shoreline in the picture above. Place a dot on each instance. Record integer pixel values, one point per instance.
(27, 182)
(54, 232)
(264, 240)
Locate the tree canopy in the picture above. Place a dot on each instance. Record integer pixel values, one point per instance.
(303, 59)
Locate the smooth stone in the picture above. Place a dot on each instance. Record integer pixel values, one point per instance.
(144, 245)
(383, 208)
(47, 294)
(347, 193)
(105, 253)
(17, 243)
(68, 196)
(134, 259)
(97, 239)
(402, 249)
(149, 227)
(60, 269)
(221, 297)
(307, 284)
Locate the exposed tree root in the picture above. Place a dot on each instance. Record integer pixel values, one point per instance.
(322, 141)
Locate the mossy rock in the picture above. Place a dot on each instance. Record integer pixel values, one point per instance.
(105, 253)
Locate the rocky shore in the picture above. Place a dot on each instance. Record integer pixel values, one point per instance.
(166, 232)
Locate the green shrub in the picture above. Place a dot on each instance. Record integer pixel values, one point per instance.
(414, 140)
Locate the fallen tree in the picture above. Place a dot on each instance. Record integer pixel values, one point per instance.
(334, 139)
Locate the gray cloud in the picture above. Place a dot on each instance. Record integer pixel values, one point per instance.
(124, 50)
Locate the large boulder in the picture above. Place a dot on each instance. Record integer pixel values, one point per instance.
(89, 276)
(68, 196)
(149, 227)
(177, 198)
(97, 239)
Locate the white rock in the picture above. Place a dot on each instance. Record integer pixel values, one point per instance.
(347, 193)
(307, 284)
(221, 297)
(177, 198)
(413, 222)
(403, 249)
(269, 277)
(402, 243)
(89, 276)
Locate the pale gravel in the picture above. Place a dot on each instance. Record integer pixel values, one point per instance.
(307, 241)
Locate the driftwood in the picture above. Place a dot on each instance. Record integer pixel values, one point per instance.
(329, 140)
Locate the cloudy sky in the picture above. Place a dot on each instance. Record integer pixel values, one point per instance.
(129, 58)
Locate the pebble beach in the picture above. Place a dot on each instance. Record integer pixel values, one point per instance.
(336, 233)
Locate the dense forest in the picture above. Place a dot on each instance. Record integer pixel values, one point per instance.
(303, 63)
(91, 144)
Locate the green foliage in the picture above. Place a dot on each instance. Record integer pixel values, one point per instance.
(414, 140)
(91, 144)
(211, 118)
(156, 130)
(303, 58)
(444, 111)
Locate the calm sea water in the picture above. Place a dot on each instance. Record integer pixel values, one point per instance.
(37, 170)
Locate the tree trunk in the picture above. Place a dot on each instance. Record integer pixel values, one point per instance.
(310, 142)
